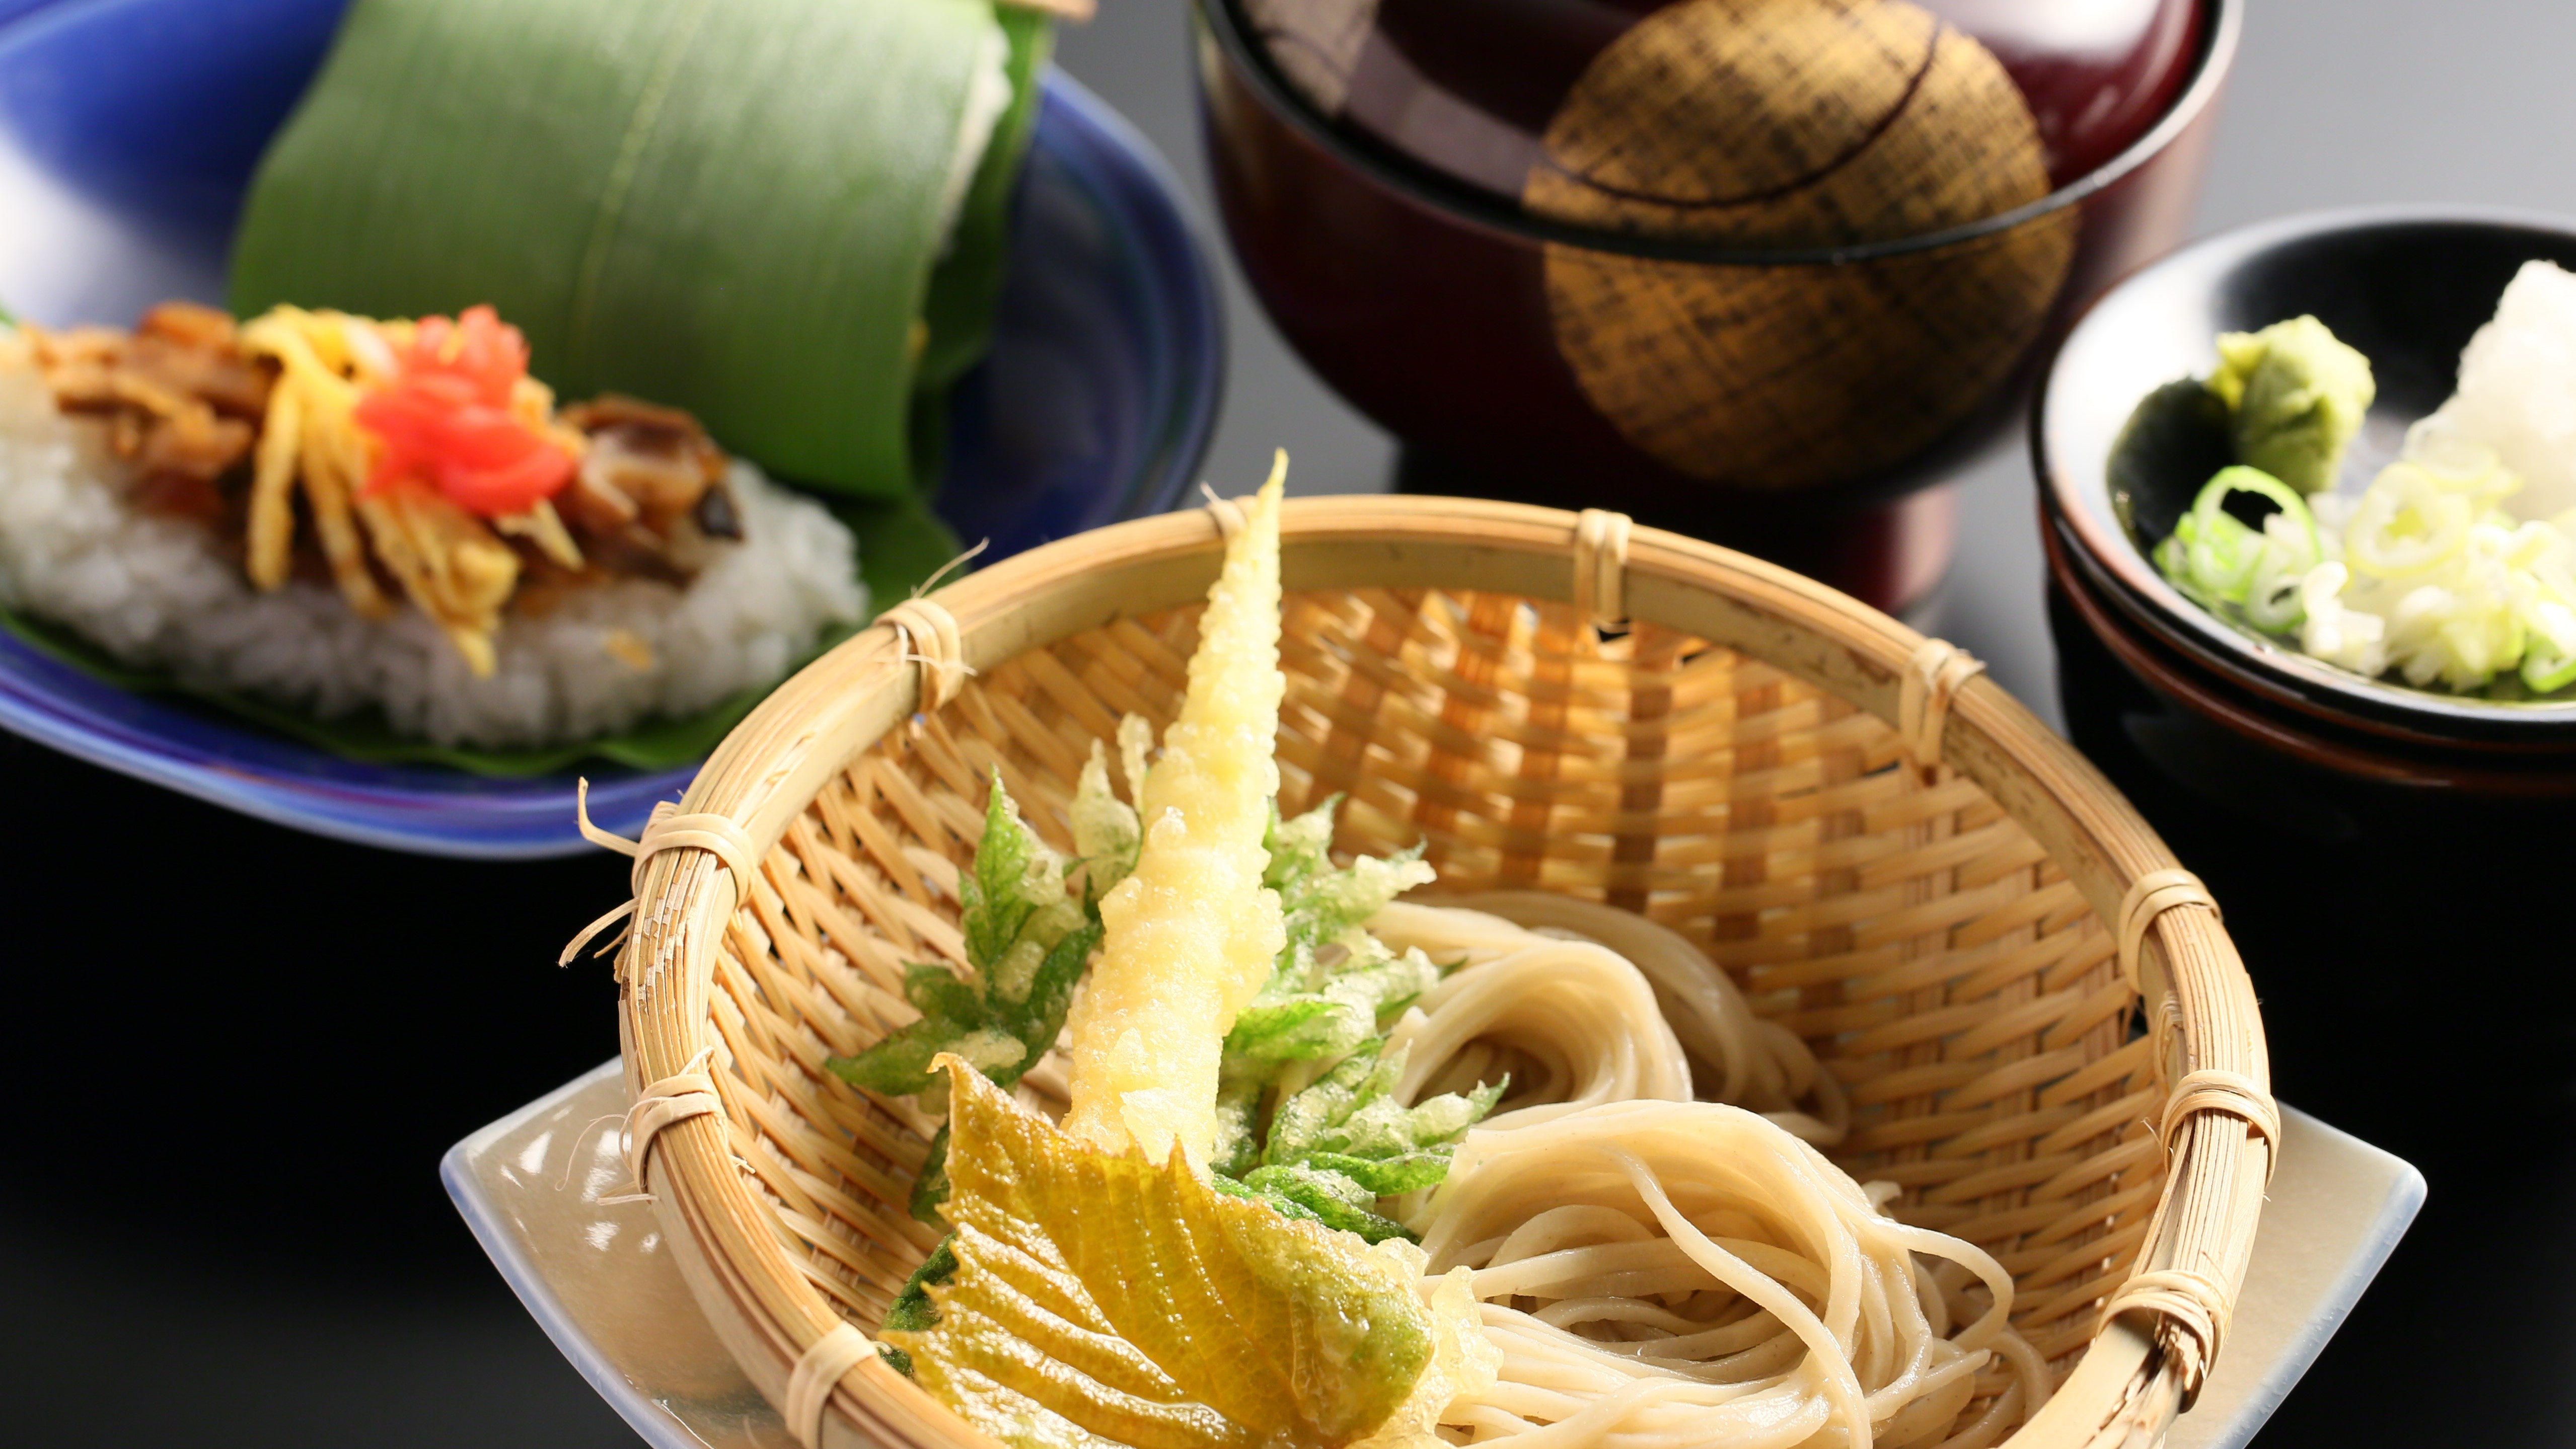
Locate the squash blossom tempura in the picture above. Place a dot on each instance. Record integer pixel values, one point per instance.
(1192, 934)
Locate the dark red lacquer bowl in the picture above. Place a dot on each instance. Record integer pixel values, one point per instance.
(1763, 317)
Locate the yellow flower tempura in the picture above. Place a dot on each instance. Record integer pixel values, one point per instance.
(1192, 933)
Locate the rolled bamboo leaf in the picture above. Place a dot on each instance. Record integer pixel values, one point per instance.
(733, 206)
(966, 287)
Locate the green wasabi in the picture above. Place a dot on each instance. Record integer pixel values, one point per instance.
(2295, 396)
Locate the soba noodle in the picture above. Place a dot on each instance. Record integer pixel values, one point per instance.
(1669, 1273)
(1755, 1064)
(1572, 1023)
(1659, 1272)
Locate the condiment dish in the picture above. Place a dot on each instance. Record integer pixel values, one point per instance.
(2119, 460)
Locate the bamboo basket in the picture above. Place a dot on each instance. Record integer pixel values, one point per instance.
(1725, 761)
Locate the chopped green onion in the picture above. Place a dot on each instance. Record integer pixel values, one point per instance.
(2215, 558)
(2241, 479)
(2407, 525)
(2545, 671)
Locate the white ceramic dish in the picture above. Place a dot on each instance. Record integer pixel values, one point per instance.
(601, 1285)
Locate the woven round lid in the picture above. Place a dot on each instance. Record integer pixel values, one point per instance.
(1759, 123)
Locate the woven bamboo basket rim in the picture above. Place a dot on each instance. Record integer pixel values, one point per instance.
(730, 1243)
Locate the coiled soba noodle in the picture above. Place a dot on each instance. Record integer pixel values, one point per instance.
(1571, 1022)
(1657, 1272)
(1691, 1004)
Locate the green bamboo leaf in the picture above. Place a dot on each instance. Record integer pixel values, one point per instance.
(966, 286)
(901, 544)
(731, 206)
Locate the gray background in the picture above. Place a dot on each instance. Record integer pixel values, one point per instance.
(2334, 103)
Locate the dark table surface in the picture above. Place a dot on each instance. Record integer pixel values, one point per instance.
(242, 1051)
(239, 1051)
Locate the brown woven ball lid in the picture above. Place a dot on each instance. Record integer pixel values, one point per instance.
(1758, 123)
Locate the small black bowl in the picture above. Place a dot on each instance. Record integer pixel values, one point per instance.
(2406, 286)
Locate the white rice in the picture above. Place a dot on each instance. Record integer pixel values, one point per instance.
(159, 592)
(2518, 389)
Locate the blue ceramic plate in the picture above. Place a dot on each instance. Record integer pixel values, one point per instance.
(128, 129)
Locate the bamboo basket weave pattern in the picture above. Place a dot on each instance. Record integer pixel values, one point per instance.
(1726, 765)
